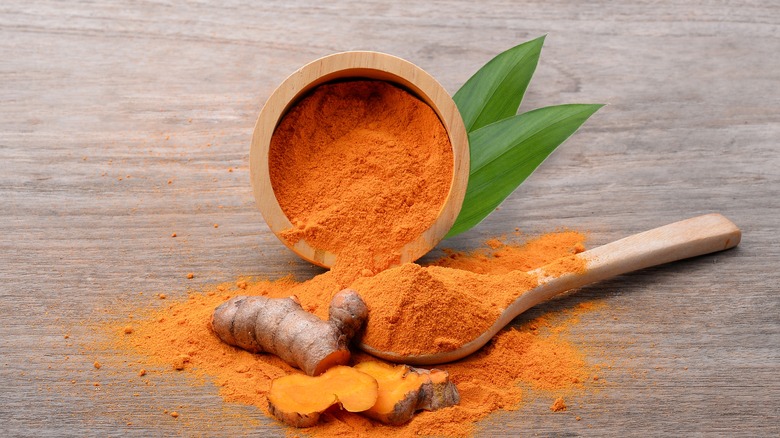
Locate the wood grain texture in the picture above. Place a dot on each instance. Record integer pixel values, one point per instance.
(104, 103)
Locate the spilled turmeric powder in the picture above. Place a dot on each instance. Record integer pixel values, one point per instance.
(558, 405)
(177, 338)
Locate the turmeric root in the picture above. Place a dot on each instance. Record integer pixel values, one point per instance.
(404, 390)
(299, 400)
(280, 326)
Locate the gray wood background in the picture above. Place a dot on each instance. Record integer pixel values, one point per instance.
(102, 103)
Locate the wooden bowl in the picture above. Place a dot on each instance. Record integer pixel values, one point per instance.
(357, 65)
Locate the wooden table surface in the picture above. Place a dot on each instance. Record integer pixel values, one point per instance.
(103, 103)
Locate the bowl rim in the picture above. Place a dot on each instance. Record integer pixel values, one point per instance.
(358, 65)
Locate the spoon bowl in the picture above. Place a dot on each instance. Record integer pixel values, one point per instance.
(688, 238)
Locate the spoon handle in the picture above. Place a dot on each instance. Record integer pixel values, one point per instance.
(688, 238)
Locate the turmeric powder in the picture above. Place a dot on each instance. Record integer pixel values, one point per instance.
(518, 359)
(416, 310)
(360, 168)
(558, 405)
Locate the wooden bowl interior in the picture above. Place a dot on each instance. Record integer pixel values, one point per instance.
(348, 66)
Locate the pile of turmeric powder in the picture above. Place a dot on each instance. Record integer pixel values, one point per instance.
(178, 338)
(360, 168)
(396, 310)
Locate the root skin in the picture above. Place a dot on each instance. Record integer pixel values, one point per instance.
(281, 327)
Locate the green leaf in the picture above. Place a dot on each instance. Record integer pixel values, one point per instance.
(496, 90)
(505, 153)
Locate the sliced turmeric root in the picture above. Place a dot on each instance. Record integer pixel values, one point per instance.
(404, 390)
(299, 400)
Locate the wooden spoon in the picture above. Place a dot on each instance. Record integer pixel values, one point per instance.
(680, 240)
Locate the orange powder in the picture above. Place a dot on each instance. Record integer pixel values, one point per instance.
(564, 265)
(502, 258)
(533, 356)
(415, 310)
(558, 405)
(360, 168)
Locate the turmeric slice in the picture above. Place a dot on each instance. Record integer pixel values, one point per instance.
(404, 390)
(299, 400)
(280, 326)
